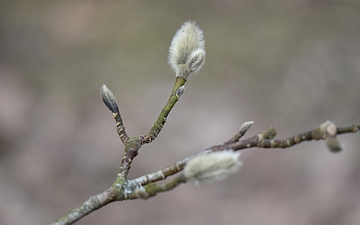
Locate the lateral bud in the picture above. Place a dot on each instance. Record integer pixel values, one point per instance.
(180, 91)
(268, 134)
(212, 167)
(333, 144)
(109, 99)
(140, 192)
(330, 133)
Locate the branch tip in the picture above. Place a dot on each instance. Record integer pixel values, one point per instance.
(187, 50)
(246, 126)
(109, 99)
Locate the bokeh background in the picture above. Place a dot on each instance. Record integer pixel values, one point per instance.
(291, 64)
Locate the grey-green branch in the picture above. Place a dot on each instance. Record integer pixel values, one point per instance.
(186, 57)
(146, 187)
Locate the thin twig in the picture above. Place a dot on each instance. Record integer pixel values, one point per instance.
(93, 203)
(145, 186)
(159, 124)
(254, 141)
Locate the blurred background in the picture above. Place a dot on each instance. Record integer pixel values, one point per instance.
(291, 64)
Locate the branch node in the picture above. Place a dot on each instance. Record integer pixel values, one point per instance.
(268, 134)
(109, 99)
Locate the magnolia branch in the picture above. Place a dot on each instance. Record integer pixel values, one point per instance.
(145, 186)
(186, 57)
(259, 141)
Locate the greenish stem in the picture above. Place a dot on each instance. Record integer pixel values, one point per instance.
(348, 129)
(152, 189)
(158, 125)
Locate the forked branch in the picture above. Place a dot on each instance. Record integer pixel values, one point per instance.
(186, 57)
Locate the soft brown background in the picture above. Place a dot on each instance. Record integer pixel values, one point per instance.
(291, 64)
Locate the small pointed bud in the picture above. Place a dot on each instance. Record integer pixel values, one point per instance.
(245, 127)
(180, 91)
(215, 166)
(109, 99)
(187, 50)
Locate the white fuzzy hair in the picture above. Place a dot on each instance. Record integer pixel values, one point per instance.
(212, 167)
(187, 50)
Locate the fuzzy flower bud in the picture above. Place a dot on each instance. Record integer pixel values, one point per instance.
(215, 166)
(187, 50)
